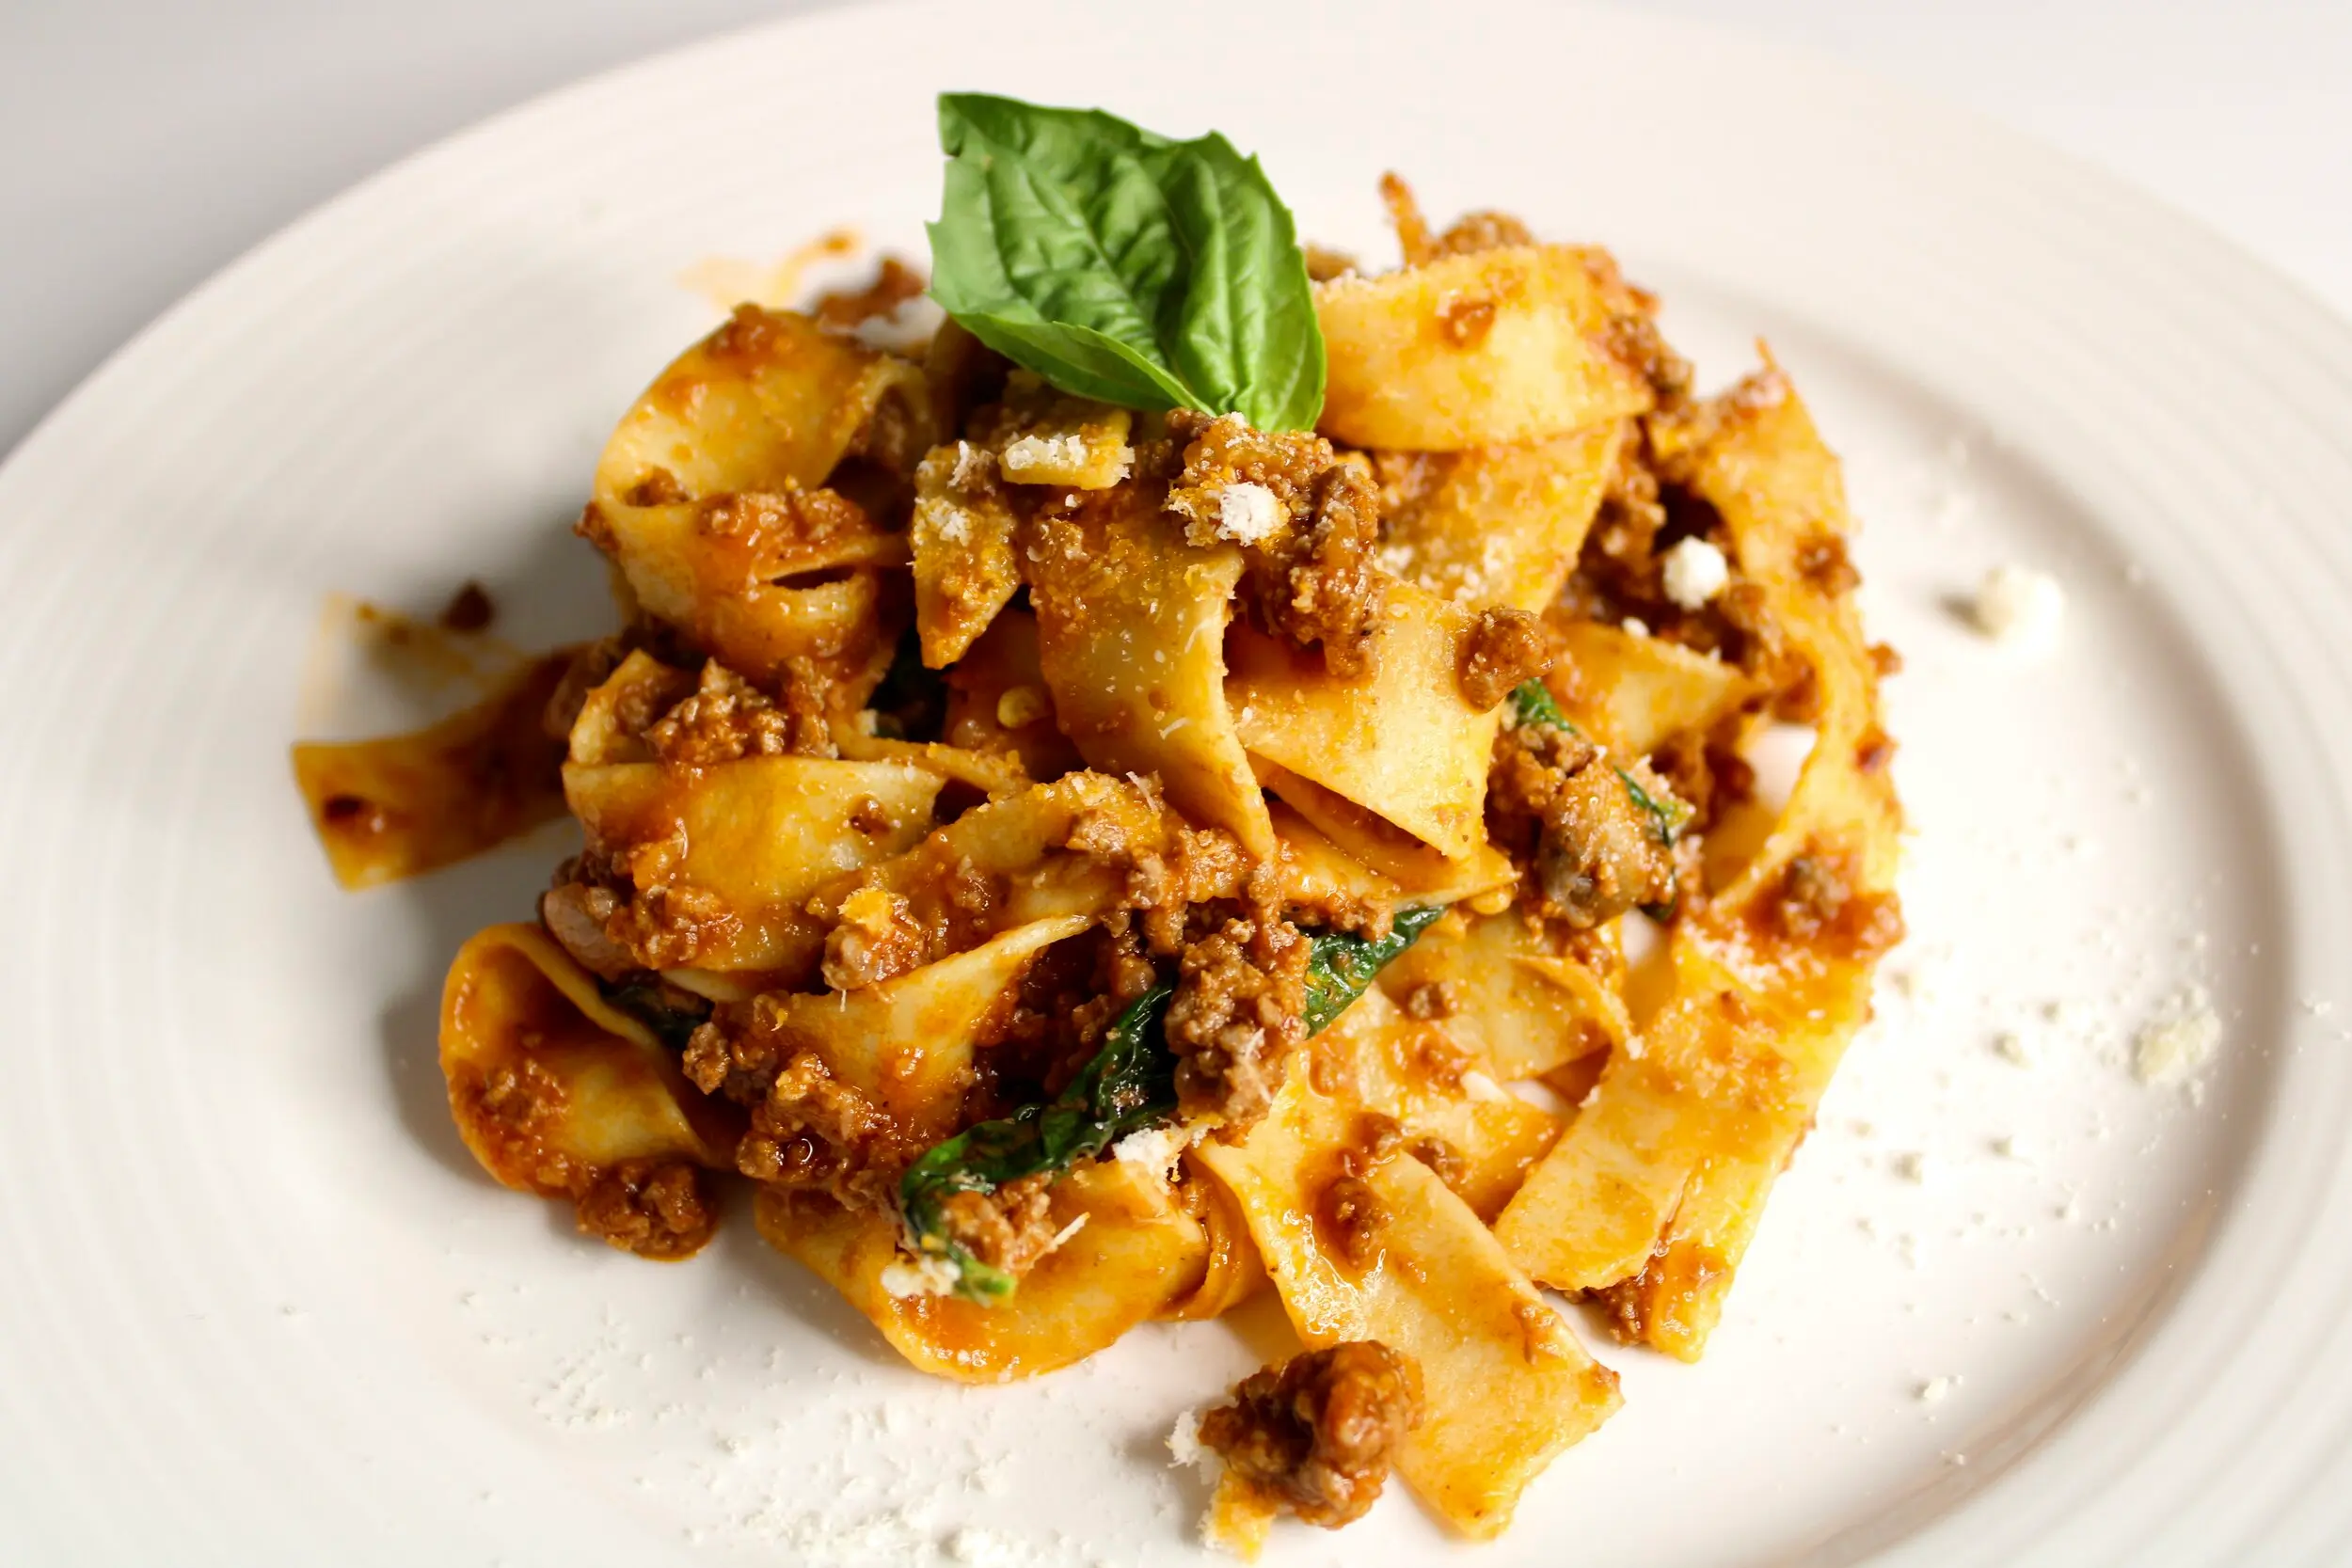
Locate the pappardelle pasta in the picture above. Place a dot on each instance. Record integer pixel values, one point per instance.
(1143, 799)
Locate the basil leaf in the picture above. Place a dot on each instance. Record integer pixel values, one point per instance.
(1531, 704)
(1129, 1085)
(1123, 266)
(672, 1014)
(1666, 816)
(1338, 968)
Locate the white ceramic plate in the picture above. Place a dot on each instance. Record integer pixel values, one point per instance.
(260, 1308)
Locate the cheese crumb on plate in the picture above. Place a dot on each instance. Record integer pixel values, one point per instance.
(2019, 607)
(2181, 1039)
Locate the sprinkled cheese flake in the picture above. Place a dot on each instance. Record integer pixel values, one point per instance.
(923, 1276)
(2179, 1042)
(1694, 572)
(2019, 607)
(985, 1549)
(1032, 454)
(1154, 1149)
(1065, 1233)
(1185, 1445)
(1247, 513)
(1935, 1389)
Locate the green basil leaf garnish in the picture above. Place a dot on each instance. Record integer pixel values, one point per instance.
(1128, 1086)
(1340, 967)
(1531, 704)
(1123, 266)
(1130, 1083)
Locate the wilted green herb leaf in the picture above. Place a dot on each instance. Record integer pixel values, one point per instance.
(1340, 967)
(1531, 704)
(671, 1014)
(1129, 1085)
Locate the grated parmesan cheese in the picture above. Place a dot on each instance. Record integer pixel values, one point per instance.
(1694, 572)
(1935, 1389)
(2181, 1039)
(2018, 606)
(1154, 1149)
(1032, 454)
(1065, 1233)
(1185, 1445)
(1249, 513)
(923, 1276)
(986, 1548)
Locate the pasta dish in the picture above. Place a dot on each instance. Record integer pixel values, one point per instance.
(1218, 770)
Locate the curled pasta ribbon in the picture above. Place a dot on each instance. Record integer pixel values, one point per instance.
(1652, 1197)
(1130, 1251)
(558, 1094)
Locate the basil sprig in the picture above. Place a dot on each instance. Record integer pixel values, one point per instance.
(1123, 266)
(1129, 1085)
(1531, 704)
(1340, 967)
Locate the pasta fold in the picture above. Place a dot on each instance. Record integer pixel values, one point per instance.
(406, 804)
(1404, 744)
(723, 859)
(1525, 1005)
(559, 1094)
(1134, 1252)
(1508, 345)
(1130, 639)
(1654, 1193)
(1505, 1386)
(1501, 525)
(1635, 692)
(906, 1043)
(708, 499)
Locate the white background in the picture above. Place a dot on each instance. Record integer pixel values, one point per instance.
(146, 143)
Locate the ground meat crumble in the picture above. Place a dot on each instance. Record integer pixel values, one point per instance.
(726, 718)
(658, 1208)
(1817, 901)
(1310, 580)
(1505, 647)
(812, 1131)
(655, 1209)
(1560, 808)
(1010, 1229)
(1320, 1433)
(1238, 1015)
